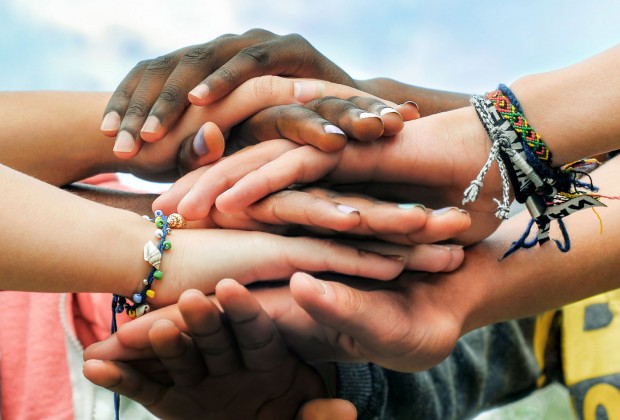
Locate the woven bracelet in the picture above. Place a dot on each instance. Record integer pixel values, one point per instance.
(548, 194)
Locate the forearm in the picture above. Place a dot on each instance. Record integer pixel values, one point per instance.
(430, 101)
(58, 242)
(573, 109)
(541, 278)
(54, 136)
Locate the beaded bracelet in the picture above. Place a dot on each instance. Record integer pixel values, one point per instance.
(549, 194)
(152, 255)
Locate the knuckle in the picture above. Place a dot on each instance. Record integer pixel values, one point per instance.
(264, 86)
(137, 108)
(256, 54)
(162, 64)
(259, 33)
(198, 54)
(170, 94)
(296, 39)
(227, 74)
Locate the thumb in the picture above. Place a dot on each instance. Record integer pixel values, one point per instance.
(205, 147)
(353, 312)
(327, 409)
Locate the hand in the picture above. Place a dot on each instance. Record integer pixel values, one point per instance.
(200, 258)
(238, 369)
(432, 161)
(154, 95)
(188, 146)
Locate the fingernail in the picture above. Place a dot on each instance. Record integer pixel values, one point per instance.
(199, 145)
(347, 209)
(398, 258)
(365, 115)
(332, 129)
(319, 285)
(409, 206)
(388, 110)
(201, 91)
(305, 91)
(411, 103)
(151, 125)
(447, 247)
(124, 143)
(111, 121)
(445, 210)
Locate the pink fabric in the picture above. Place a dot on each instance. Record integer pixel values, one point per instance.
(33, 362)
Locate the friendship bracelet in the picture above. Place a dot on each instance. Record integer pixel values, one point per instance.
(548, 194)
(152, 255)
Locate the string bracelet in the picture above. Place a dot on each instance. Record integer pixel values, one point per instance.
(524, 159)
(137, 306)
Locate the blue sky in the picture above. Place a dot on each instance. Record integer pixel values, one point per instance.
(455, 45)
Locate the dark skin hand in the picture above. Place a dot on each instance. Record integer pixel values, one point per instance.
(156, 92)
(233, 365)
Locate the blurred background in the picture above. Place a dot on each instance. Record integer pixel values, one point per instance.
(453, 45)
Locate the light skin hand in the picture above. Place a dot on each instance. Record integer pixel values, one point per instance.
(435, 158)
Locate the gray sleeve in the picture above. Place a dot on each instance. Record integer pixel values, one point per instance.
(491, 365)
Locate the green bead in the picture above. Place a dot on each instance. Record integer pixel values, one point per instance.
(159, 222)
(158, 275)
(167, 245)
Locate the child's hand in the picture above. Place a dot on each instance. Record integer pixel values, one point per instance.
(234, 369)
(199, 258)
(154, 95)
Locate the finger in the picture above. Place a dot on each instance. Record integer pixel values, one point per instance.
(196, 62)
(292, 122)
(124, 380)
(272, 55)
(358, 316)
(177, 353)
(203, 148)
(243, 64)
(408, 110)
(260, 344)
(131, 340)
(197, 203)
(423, 257)
(327, 409)
(119, 101)
(392, 121)
(441, 224)
(168, 201)
(211, 336)
(301, 165)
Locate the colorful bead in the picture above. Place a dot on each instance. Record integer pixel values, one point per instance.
(131, 313)
(157, 274)
(158, 213)
(159, 222)
(167, 245)
(137, 298)
(150, 293)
